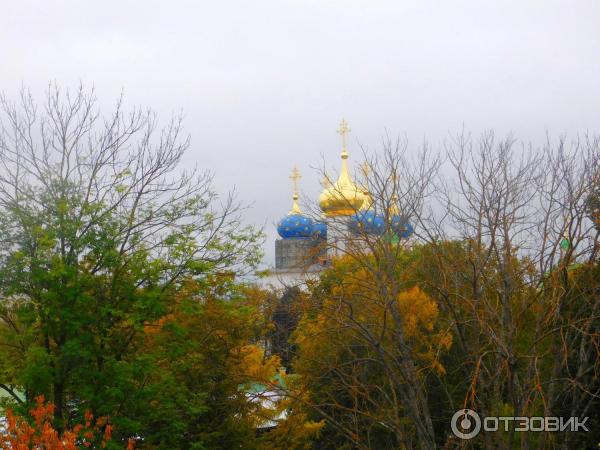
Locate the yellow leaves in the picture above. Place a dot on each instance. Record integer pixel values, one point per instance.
(294, 433)
(154, 328)
(445, 340)
(355, 304)
(418, 310)
(437, 366)
(309, 329)
(353, 283)
(312, 428)
(253, 365)
(420, 313)
(294, 430)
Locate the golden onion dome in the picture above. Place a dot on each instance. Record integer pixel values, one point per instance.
(342, 198)
(368, 202)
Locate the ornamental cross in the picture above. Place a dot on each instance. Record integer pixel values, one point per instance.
(343, 131)
(295, 176)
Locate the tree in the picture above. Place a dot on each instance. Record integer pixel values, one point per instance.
(202, 359)
(347, 353)
(100, 230)
(213, 386)
(514, 210)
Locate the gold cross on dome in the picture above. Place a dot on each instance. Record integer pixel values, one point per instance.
(295, 176)
(343, 131)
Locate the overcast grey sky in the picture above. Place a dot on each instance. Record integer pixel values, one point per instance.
(264, 84)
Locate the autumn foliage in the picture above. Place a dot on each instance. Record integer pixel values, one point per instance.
(38, 432)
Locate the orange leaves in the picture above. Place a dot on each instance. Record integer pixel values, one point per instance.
(21, 435)
(107, 433)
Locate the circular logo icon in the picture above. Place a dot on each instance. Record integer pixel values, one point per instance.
(465, 424)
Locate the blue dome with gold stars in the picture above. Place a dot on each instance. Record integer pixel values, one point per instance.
(402, 227)
(367, 222)
(400, 224)
(295, 226)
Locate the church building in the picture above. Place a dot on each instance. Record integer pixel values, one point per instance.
(307, 242)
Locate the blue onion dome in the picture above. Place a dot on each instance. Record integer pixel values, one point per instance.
(295, 226)
(402, 227)
(399, 223)
(367, 222)
(320, 230)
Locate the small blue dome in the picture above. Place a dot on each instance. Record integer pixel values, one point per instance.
(402, 227)
(320, 230)
(295, 226)
(368, 222)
